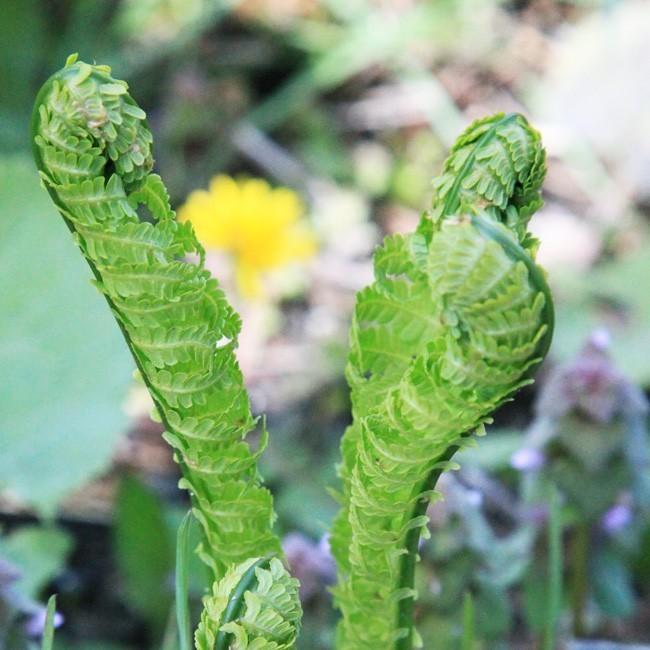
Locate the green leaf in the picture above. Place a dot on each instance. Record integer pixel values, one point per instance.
(467, 642)
(144, 551)
(612, 583)
(174, 316)
(23, 21)
(493, 612)
(610, 296)
(66, 368)
(555, 587)
(182, 582)
(48, 632)
(458, 316)
(39, 553)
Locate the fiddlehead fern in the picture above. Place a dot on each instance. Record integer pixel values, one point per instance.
(93, 149)
(455, 321)
(255, 605)
(457, 318)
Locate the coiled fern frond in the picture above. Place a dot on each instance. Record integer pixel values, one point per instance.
(93, 149)
(456, 320)
(255, 606)
(458, 317)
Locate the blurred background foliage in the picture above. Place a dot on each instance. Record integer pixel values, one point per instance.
(351, 104)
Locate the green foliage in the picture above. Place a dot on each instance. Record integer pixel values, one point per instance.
(93, 149)
(144, 551)
(39, 554)
(612, 584)
(554, 573)
(455, 322)
(457, 318)
(48, 631)
(609, 294)
(254, 606)
(467, 642)
(61, 410)
(183, 624)
(23, 22)
(591, 422)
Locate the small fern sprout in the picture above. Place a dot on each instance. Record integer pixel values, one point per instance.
(255, 606)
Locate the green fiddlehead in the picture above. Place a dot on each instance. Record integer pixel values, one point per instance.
(92, 146)
(255, 605)
(458, 317)
(456, 320)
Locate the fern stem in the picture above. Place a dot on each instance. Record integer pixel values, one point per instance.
(554, 593)
(406, 609)
(579, 577)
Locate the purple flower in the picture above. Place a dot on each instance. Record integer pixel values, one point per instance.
(528, 459)
(35, 624)
(536, 514)
(600, 339)
(616, 518)
(311, 562)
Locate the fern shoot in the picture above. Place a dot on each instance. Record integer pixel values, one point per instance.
(458, 317)
(456, 320)
(92, 146)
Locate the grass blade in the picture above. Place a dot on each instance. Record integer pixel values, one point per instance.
(467, 642)
(182, 597)
(48, 630)
(554, 595)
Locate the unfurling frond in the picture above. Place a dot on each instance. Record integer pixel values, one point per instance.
(255, 606)
(458, 317)
(93, 149)
(456, 320)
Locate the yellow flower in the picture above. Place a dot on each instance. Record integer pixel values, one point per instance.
(259, 226)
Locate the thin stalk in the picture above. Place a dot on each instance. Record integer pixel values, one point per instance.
(48, 630)
(182, 570)
(467, 642)
(554, 596)
(406, 607)
(236, 602)
(579, 577)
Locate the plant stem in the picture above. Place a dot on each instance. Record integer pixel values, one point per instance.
(182, 579)
(48, 630)
(579, 577)
(406, 607)
(467, 642)
(554, 596)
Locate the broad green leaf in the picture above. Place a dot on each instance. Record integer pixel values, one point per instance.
(144, 551)
(65, 368)
(613, 590)
(38, 553)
